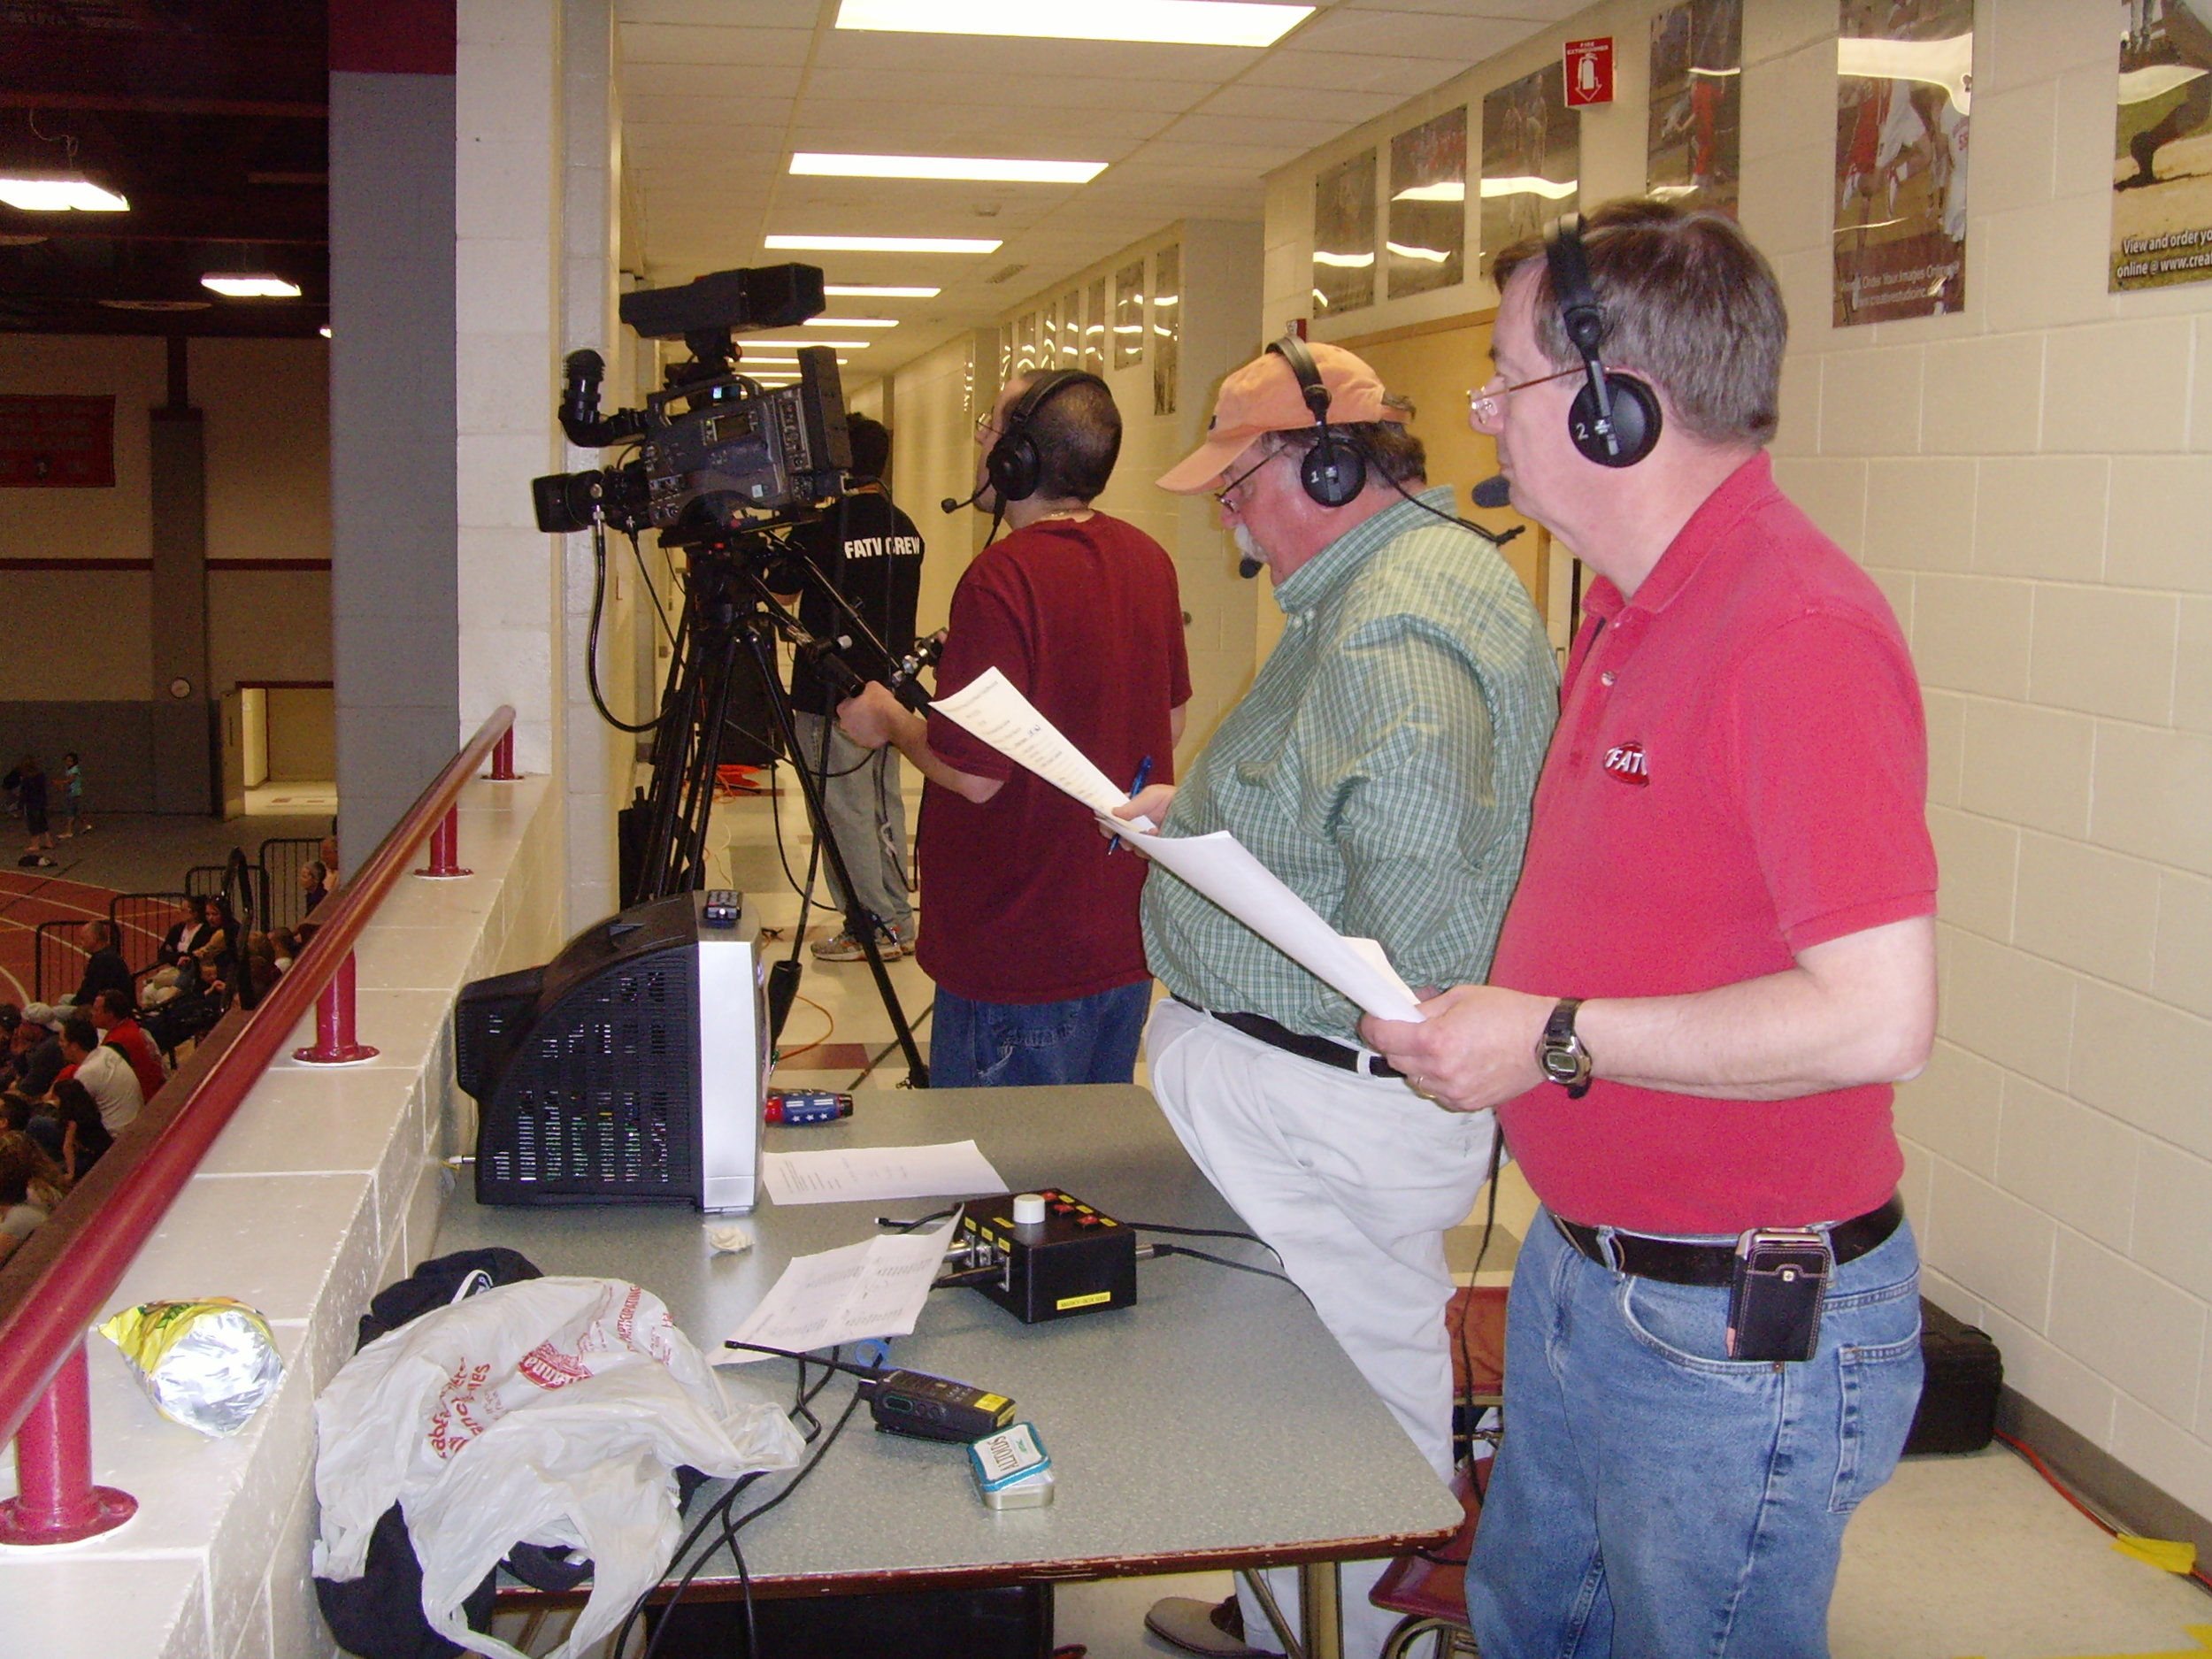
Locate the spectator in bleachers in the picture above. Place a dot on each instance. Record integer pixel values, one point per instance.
(72, 797)
(287, 945)
(31, 785)
(37, 1051)
(207, 944)
(111, 1013)
(105, 969)
(84, 1135)
(30, 1185)
(105, 1072)
(257, 967)
(314, 885)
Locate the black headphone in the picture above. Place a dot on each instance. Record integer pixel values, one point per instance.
(1334, 470)
(1614, 421)
(1013, 465)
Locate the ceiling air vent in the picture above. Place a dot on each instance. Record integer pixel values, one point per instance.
(1008, 275)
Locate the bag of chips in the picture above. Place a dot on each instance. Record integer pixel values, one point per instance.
(206, 1364)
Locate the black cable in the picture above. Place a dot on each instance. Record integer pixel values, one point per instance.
(591, 642)
(786, 1353)
(1197, 1232)
(1490, 536)
(918, 1221)
(973, 1275)
(1222, 1261)
(652, 593)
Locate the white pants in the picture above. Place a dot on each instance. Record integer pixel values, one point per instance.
(1352, 1180)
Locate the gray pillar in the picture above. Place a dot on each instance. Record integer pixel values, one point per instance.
(395, 639)
(182, 725)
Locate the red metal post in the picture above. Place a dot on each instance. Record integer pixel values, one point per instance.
(56, 1500)
(445, 848)
(333, 1024)
(504, 758)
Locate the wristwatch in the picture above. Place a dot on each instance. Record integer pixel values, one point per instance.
(1560, 1052)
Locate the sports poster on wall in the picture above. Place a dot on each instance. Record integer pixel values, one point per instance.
(1904, 85)
(1344, 236)
(2162, 169)
(1692, 145)
(1531, 157)
(1426, 238)
(57, 442)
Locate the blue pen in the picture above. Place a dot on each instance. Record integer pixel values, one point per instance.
(1144, 776)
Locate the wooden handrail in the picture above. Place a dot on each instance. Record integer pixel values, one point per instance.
(55, 1285)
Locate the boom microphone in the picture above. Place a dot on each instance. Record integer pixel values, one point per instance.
(1493, 493)
(1248, 567)
(949, 505)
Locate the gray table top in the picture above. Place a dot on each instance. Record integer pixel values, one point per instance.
(1215, 1423)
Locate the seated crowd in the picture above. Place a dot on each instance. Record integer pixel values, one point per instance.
(74, 1072)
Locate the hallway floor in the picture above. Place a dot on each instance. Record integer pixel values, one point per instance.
(1970, 1557)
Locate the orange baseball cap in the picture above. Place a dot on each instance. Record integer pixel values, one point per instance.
(1263, 396)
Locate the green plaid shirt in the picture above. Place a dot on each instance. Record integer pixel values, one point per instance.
(1381, 766)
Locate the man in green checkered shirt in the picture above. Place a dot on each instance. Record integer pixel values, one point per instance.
(1381, 766)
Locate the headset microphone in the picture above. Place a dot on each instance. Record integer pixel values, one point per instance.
(1248, 567)
(1493, 493)
(949, 505)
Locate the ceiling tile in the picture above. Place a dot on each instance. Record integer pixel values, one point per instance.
(1344, 107)
(706, 80)
(1248, 130)
(1459, 41)
(1034, 59)
(905, 88)
(784, 14)
(644, 43)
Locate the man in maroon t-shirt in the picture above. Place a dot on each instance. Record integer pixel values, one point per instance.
(1029, 920)
(1720, 956)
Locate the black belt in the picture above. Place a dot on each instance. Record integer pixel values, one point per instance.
(1277, 1035)
(1673, 1262)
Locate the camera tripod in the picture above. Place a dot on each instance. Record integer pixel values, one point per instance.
(728, 628)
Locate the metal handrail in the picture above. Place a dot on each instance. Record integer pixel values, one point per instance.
(54, 1285)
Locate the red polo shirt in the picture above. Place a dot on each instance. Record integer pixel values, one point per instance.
(1739, 774)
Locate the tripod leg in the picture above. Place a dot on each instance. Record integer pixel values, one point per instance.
(864, 929)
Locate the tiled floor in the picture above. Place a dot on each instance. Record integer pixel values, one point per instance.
(1955, 1558)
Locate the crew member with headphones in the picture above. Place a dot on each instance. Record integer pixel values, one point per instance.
(1380, 765)
(1029, 922)
(1721, 955)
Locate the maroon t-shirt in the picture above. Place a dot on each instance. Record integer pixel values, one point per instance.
(1739, 774)
(1020, 902)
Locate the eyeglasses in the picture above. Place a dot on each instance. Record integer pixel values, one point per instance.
(1485, 406)
(986, 427)
(1221, 495)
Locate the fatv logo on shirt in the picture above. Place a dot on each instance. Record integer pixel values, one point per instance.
(1625, 764)
(871, 546)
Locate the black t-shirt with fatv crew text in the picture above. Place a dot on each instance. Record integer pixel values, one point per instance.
(870, 552)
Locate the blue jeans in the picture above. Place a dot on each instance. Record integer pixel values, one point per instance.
(1026, 1045)
(1657, 1500)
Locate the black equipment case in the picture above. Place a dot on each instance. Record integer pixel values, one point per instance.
(1958, 1401)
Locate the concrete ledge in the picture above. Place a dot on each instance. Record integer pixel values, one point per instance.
(323, 1186)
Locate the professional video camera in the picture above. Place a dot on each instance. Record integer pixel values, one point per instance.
(739, 456)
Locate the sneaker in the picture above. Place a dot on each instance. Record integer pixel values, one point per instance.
(891, 944)
(1214, 1629)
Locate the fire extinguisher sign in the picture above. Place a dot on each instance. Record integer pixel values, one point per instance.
(1589, 66)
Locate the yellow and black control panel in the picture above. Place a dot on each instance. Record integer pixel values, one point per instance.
(1056, 1255)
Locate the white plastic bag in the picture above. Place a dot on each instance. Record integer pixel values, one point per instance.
(548, 1411)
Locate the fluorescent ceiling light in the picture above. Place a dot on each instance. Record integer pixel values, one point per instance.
(1433, 256)
(1450, 190)
(324, 330)
(1343, 261)
(868, 291)
(1528, 184)
(38, 190)
(881, 244)
(259, 286)
(852, 322)
(1175, 22)
(1008, 169)
(841, 345)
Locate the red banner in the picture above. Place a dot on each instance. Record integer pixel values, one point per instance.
(57, 442)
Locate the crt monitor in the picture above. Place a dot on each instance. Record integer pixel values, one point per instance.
(630, 1069)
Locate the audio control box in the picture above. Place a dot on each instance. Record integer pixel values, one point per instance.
(1054, 1256)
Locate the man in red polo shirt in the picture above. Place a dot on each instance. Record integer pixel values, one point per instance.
(1720, 956)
